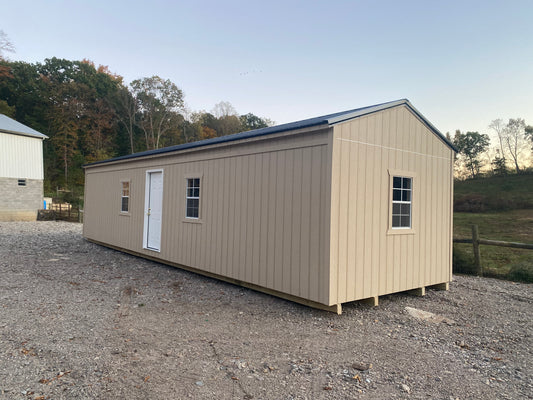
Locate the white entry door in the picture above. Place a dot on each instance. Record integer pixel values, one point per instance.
(153, 210)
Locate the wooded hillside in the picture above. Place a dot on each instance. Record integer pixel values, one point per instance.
(90, 114)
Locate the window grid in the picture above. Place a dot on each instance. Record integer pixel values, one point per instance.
(125, 197)
(401, 202)
(193, 198)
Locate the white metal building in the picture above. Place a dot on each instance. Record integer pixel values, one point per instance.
(21, 171)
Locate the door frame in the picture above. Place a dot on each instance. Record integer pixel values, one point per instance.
(147, 202)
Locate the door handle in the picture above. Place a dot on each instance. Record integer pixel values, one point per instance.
(149, 212)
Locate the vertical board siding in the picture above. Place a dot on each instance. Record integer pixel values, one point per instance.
(366, 260)
(12, 166)
(262, 213)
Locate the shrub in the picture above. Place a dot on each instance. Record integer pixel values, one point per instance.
(463, 263)
(470, 203)
(522, 271)
(478, 203)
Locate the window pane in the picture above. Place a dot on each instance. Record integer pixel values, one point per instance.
(396, 195)
(395, 221)
(406, 183)
(196, 192)
(189, 183)
(405, 222)
(395, 209)
(192, 212)
(406, 209)
(192, 203)
(406, 195)
(189, 192)
(125, 204)
(397, 182)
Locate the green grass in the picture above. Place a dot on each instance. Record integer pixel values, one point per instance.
(510, 226)
(497, 193)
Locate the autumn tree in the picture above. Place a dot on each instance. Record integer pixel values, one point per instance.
(159, 102)
(471, 145)
(5, 46)
(515, 139)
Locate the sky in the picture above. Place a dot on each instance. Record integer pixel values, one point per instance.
(462, 64)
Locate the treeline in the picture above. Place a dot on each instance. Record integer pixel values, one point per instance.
(511, 153)
(90, 114)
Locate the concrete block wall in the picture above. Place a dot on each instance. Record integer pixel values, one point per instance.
(20, 202)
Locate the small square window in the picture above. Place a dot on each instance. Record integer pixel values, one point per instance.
(22, 182)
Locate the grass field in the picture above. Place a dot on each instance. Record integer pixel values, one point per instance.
(497, 193)
(510, 226)
(507, 214)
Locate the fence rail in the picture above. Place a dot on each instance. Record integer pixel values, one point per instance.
(476, 241)
(62, 212)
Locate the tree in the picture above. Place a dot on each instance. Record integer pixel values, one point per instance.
(529, 134)
(223, 109)
(498, 126)
(498, 164)
(159, 102)
(127, 109)
(471, 145)
(250, 122)
(5, 44)
(515, 136)
(65, 136)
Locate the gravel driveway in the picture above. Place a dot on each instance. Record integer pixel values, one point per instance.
(80, 321)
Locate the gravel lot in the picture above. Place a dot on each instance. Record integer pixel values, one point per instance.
(80, 321)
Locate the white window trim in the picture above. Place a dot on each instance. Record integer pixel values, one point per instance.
(122, 196)
(403, 174)
(194, 220)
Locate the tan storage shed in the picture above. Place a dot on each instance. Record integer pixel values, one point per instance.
(343, 207)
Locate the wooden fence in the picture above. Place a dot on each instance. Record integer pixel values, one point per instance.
(476, 241)
(62, 212)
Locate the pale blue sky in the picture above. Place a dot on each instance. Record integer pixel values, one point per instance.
(461, 63)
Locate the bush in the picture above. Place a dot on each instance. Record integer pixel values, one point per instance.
(521, 272)
(470, 203)
(463, 263)
(478, 203)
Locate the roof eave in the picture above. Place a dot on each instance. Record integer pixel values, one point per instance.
(39, 136)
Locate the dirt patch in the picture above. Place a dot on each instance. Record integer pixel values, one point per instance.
(81, 321)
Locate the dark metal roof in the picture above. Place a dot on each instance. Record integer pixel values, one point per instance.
(329, 119)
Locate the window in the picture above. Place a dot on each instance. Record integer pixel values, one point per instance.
(22, 182)
(125, 198)
(193, 198)
(402, 189)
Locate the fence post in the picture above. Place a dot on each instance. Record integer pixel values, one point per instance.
(477, 255)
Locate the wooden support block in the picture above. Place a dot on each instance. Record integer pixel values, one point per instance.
(421, 291)
(441, 286)
(373, 301)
